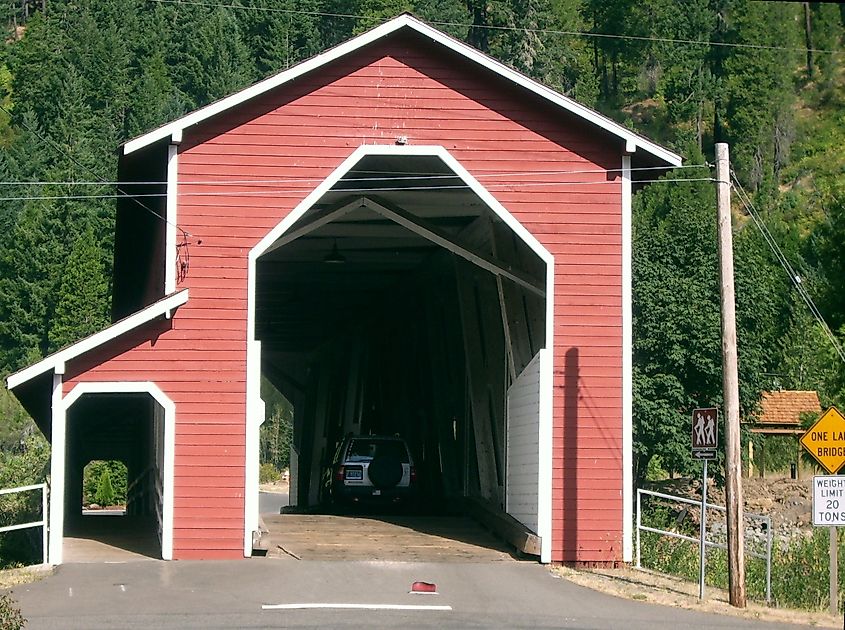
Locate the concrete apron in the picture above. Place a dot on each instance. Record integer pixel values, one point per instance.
(111, 538)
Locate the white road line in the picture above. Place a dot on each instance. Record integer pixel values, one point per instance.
(70, 591)
(352, 606)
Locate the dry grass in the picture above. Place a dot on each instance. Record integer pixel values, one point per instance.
(23, 575)
(665, 590)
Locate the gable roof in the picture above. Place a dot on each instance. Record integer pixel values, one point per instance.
(164, 306)
(786, 406)
(633, 141)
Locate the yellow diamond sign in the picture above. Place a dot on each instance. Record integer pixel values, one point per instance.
(825, 440)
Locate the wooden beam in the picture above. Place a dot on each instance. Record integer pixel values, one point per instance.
(500, 290)
(318, 220)
(280, 379)
(476, 349)
(437, 236)
(504, 525)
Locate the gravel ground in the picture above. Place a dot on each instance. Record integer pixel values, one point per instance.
(655, 588)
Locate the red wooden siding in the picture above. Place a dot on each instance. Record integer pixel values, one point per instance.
(401, 86)
(203, 370)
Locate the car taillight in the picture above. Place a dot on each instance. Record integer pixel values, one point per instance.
(413, 474)
(338, 473)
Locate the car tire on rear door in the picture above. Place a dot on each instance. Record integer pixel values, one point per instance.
(385, 472)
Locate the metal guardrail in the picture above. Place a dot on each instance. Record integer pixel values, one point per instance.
(762, 518)
(42, 523)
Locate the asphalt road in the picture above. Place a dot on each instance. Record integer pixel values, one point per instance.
(208, 595)
(271, 502)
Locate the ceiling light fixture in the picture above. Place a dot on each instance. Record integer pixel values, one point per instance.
(334, 257)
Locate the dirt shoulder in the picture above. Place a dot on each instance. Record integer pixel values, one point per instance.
(655, 588)
(24, 575)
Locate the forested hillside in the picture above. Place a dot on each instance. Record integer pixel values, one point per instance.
(79, 77)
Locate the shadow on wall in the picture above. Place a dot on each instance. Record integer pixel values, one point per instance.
(570, 456)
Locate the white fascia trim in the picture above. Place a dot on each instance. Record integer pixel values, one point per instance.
(544, 494)
(56, 361)
(631, 139)
(255, 416)
(627, 367)
(255, 405)
(139, 387)
(58, 451)
(170, 215)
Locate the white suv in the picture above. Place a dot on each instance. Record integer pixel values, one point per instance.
(372, 469)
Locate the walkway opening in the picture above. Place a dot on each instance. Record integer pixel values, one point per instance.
(104, 487)
(109, 434)
(404, 303)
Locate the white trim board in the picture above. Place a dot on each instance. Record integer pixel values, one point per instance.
(56, 361)
(175, 129)
(255, 405)
(170, 257)
(58, 457)
(627, 369)
(58, 450)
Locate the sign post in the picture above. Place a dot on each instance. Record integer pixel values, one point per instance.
(704, 443)
(825, 441)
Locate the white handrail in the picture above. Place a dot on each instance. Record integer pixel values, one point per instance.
(42, 523)
(35, 486)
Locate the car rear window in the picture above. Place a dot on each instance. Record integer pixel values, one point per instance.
(367, 450)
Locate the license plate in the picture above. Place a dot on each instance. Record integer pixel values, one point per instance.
(354, 474)
(376, 493)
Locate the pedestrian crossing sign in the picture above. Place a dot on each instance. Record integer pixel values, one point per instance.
(704, 432)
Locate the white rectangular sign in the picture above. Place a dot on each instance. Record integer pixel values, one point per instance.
(828, 500)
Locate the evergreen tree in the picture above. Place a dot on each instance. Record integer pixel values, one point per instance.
(25, 299)
(105, 492)
(758, 85)
(155, 99)
(285, 34)
(81, 306)
(215, 61)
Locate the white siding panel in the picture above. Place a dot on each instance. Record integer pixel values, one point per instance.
(523, 450)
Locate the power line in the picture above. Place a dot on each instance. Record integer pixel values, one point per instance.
(794, 277)
(429, 176)
(497, 187)
(540, 31)
(102, 181)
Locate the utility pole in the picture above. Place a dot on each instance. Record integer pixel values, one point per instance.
(730, 384)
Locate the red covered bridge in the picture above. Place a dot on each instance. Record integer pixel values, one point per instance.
(401, 235)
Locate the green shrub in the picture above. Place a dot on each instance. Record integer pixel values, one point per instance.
(105, 491)
(268, 473)
(92, 473)
(800, 566)
(11, 617)
(27, 463)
